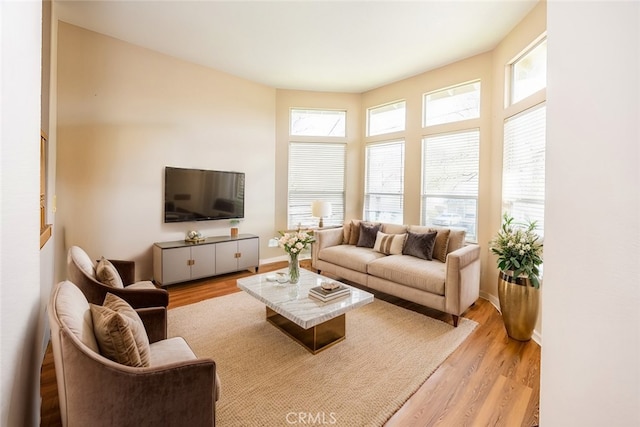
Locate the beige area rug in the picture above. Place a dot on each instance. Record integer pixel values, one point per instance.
(270, 380)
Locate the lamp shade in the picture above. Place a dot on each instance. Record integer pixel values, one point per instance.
(320, 208)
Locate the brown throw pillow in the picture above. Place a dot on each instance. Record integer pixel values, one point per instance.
(420, 245)
(355, 232)
(442, 243)
(389, 244)
(368, 234)
(120, 332)
(107, 274)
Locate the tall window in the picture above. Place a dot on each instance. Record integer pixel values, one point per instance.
(525, 137)
(524, 164)
(317, 166)
(384, 182)
(450, 180)
(386, 118)
(453, 104)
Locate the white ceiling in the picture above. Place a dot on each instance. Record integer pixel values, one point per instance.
(341, 46)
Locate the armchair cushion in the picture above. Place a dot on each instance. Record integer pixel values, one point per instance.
(107, 273)
(120, 332)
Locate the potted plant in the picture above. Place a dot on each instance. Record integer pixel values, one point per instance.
(234, 227)
(519, 252)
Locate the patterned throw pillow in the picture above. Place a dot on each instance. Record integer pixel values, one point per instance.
(368, 234)
(120, 332)
(107, 274)
(389, 244)
(420, 245)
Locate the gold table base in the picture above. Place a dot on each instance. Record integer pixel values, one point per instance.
(314, 339)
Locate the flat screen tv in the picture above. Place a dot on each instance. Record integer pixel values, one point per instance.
(201, 195)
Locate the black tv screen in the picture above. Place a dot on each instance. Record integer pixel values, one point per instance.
(201, 195)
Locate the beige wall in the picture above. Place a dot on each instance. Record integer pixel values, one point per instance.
(124, 113)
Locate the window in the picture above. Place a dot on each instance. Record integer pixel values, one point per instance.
(523, 165)
(386, 118)
(529, 72)
(384, 182)
(453, 104)
(318, 122)
(450, 167)
(316, 172)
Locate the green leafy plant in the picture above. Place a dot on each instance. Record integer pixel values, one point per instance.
(519, 249)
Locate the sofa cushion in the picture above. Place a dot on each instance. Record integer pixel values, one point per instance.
(107, 274)
(368, 234)
(389, 244)
(410, 271)
(420, 245)
(393, 228)
(349, 256)
(120, 332)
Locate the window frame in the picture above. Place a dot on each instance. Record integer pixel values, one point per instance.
(467, 83)
(381, 106)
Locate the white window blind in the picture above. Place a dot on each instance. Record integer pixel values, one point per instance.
(384, 182)
(524, 165)
(450, 168)
(316, 172)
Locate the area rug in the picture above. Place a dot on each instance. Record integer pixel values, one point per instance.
(270, 380)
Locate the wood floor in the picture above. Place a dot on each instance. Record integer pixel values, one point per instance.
(490, 380)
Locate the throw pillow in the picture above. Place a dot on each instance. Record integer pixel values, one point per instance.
(389, 244)
(120, 332)
(355, 232)
(107, 274)
(368, 233)
(420, 245)
(346, 232)
(442, 243)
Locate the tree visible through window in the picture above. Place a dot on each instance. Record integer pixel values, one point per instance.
(384, 182)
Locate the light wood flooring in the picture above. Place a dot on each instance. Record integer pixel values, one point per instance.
(490, 380)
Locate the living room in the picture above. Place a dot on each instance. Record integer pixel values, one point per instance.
(119, 104)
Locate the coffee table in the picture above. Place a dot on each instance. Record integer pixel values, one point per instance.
(314, 324)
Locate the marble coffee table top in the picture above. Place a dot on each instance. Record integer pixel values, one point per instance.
(293, 301)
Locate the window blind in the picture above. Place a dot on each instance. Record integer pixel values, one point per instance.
(450, 169)
(524, 165)
(384, 182)
(316, 172)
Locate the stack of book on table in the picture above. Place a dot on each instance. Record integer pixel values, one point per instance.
(325, 295)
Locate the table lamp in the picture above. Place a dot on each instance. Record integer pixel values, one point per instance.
(320, 209)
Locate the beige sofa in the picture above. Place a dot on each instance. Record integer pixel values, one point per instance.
(450, 284)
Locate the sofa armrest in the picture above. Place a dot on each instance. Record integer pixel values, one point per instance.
(324, 239)
(462, 281)
(155, 322)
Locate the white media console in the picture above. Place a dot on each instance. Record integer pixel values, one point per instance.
(182, 261)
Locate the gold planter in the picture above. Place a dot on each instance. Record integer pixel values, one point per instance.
(519, 302)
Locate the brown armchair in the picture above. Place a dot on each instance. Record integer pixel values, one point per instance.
(176, 389)
(82, 272)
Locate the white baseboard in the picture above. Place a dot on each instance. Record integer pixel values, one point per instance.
(536, 337)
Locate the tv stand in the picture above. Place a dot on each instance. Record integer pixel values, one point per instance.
(181, 261)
